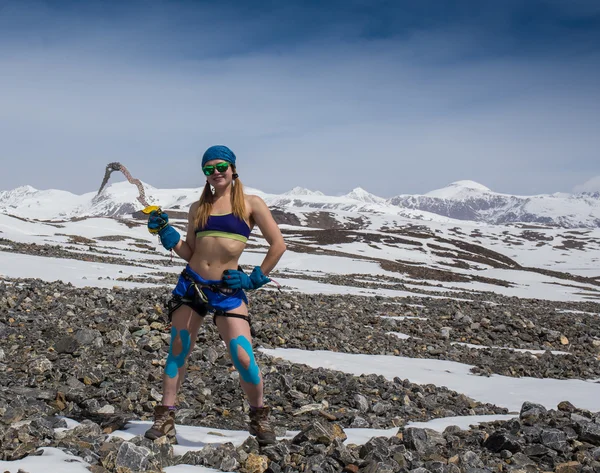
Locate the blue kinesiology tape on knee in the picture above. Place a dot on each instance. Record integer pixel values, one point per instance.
(174, 362)
(252, 373)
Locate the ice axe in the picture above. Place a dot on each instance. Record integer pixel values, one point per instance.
(148, 209)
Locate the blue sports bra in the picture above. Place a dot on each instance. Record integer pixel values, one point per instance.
(225, 226)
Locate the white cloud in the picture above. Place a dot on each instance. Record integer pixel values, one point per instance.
(591, 185)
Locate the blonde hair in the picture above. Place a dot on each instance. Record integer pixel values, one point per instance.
(238, 203)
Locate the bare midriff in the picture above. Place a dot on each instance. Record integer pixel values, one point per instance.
(213, 255)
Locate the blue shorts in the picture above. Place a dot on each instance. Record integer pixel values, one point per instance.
(206, 294)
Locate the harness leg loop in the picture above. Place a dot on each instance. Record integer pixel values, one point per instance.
(220, 313)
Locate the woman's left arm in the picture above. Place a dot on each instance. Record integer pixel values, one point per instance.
(261, 215)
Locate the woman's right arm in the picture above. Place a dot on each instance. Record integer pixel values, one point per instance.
(185, 248)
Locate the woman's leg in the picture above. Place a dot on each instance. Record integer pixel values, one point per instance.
(185, 323)
(235, 333)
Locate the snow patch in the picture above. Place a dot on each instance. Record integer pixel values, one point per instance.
(496, 389)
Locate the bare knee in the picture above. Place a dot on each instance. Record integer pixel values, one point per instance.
(178, 351)
(243, 357)
(176, 345)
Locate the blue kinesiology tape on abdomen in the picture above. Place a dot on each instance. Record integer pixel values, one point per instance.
(174, 362)
(252, 373)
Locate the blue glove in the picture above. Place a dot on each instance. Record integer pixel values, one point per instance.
(239, 280)
(159, 223)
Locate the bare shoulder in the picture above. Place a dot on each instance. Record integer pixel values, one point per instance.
(253, 199)
(193, 209)
(255, 203)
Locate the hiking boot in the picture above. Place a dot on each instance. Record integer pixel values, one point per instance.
(260, 426)
(164, 424)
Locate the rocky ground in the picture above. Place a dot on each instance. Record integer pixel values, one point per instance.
(97, 356)
(84, 249)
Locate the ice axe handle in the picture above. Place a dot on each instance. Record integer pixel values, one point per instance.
(151, 208)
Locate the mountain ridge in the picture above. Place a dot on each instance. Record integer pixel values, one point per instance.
(460, 200)
(468, 200)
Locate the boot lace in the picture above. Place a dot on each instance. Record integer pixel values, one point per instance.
(261, 422)
(160, 420)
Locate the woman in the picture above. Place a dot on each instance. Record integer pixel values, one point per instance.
(218, 226)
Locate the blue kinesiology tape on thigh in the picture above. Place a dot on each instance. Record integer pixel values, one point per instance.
(252, 373)
(174, 362)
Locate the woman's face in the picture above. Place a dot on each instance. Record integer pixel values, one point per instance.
(219, 173)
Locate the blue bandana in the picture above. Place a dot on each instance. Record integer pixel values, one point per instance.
(218, 152)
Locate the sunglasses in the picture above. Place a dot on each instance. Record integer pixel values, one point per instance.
(210, 169)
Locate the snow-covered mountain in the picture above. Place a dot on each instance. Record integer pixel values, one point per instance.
(461, 200)
(302, 191)
(363, 196)
(468, 200)
(120, 199)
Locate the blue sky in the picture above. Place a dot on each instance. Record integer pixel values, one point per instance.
(396, 97)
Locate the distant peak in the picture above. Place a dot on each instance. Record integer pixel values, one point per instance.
(359, 193)
(18, 192)
(358, 190)
(470, 185)
(459, 190)
(302, 191)
(24, 189)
